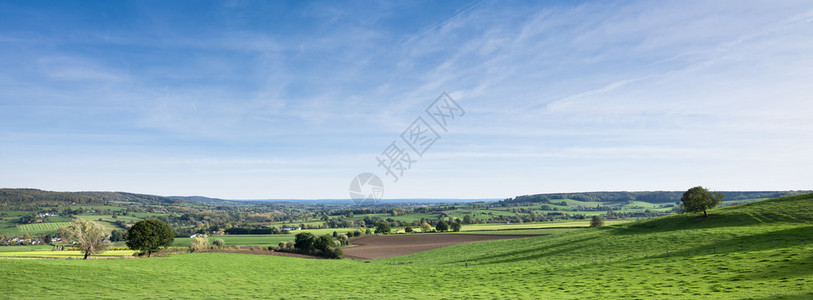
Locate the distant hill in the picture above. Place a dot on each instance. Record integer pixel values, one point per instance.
(23, 197)
(207, 200)
(651, 197)
(20, 198)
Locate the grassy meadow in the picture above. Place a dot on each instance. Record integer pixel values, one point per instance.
(242, 240)
(753, 251)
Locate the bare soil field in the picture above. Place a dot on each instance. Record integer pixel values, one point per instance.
(372, 247)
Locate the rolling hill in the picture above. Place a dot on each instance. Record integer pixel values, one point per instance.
(753, 251)
(650, 196)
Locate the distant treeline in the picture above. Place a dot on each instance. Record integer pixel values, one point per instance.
(22, 198)
(651, 197)
(133, 198)
(256, 230)
(25, 198)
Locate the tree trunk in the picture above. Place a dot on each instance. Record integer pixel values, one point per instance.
(86, 255)
(149, 253)
(705, 214)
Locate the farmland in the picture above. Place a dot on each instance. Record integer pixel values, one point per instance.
(752, 251)
(242, 240)
(38, 228)
(26, 207)
(370, 247)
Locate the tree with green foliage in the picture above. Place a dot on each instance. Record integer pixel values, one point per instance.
(149, 236)
(408, 229)
(118, 235)
(596, 221)
(425, 227)
(699, 199)
(323, 243)
(88, 235)
(368, 231)
(467, 219)
(220, 244)
(199, 243)
(26, 236)
(383, 228)
(47, 239)
(343, 239)
(304, 241)
(455, 227)
(442, 226)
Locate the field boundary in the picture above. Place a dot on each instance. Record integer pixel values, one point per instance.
(373, 247)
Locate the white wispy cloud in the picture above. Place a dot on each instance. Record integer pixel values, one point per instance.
(559, 97)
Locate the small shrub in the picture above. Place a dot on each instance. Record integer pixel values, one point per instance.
(219, 244)
(338, 253)
(198, 244)
(596, 222)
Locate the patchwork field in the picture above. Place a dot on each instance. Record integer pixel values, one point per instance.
(753, 251)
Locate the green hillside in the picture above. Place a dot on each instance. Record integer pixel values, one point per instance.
(785, 221)
(36, 199)
(648, 197)
(626, 261)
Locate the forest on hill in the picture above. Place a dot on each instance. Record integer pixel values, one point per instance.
(651, 197)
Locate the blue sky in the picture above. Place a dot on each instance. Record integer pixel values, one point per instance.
(252, 100)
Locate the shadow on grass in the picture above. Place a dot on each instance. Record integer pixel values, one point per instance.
(787, 263)
(793, 209)
(780, 239)
(531, 253)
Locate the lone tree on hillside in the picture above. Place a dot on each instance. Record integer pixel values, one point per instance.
(149, 236)
(455, 227)
(88, 235)
(596, 221)
(699, 199)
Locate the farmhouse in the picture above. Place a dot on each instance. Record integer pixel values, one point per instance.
(291, 228)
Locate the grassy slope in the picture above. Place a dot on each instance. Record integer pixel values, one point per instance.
(784, 220)
(605, 262)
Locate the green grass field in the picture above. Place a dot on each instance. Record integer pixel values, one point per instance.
(242, 240)
(624, 261)
(40, 228)
(61, 254)
(515, 226)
